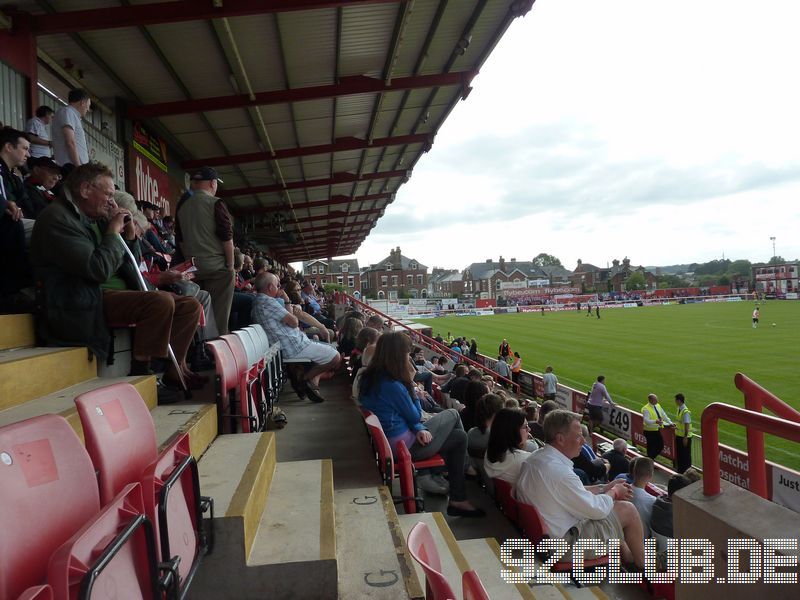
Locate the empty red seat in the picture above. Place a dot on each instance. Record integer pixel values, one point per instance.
(112, 556)
(472, 587)
(48, 491)
(504, 496)
(226, 385)
(248, 376)
(121, 440)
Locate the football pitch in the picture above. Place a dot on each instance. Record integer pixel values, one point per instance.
(695, 349)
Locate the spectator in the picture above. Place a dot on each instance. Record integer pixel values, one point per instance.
(283, 326)
(570, 510)
(247, 269)
(504, 350)
(204, 230)
(598, 397)
(69, 138)
(45, 174)
(36, 128)
(313, 307)
(505, 451)
(472, 393)
(14, 149)
(536, 428)
(478, 436)
(87, 280)
(501, 368)
(550, 384)
(386, 390)
(588, 466)
(643, 500)
(473, 349)
(456, 386)
(242, 302)
(347, 335)
(617, 458)
(661, 517)
(376, 322)
(365, 347)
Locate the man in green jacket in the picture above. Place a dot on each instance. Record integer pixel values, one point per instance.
(87, 280)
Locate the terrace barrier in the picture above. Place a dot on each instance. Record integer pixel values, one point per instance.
(749, 419)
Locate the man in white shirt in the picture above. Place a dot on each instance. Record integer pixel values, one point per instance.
(642, 499)
(570, 510)
(36, 128)
(69, 139)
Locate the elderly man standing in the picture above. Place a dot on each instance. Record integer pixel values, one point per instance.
(655, 419)
(88, 282)
(570, 510)
(204, 230)
(69, 138)
(270, 311)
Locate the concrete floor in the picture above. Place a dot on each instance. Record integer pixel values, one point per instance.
(335, 429)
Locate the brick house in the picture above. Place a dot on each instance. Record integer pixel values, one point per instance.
(395, 276)
(610, 279)
(344, 272)
(445, 283)
(487, 279)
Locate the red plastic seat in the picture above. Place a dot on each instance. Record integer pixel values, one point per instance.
(39, 592)
(247, 376)
(504, 496)
(405, 470)
(534, 528)
(48, 491)
(111, 556)
(472, 587)
(121, 441)
(226, 383)
(423, 550)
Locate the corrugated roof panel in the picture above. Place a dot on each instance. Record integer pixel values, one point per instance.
(313, 62)
(417, 27)
(257, 40)
(366, 35)
(192, 51)
(456, 17)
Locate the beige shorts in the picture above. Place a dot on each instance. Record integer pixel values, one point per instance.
(607, 528)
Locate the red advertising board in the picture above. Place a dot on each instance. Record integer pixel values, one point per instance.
(485, 302)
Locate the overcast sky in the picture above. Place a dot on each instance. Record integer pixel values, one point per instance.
(667, 132)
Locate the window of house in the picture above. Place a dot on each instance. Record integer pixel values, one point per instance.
(384, 280)
(409, 280)
(340, 280)
(420, 279)
(388, 266)
(394, 280)
(364, 284)
(345, 268)
(314, 270)
(413, 265)
(351, 281)
(321, 270)
(314, 281)
(497, 284)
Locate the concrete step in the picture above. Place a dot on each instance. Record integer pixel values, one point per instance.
(28, 373)
(196, 419)
(371, 553)
(483, 556)
(62, 402)
(16, 331)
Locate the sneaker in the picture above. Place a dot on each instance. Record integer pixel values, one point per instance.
(428, 484)
(313, 393)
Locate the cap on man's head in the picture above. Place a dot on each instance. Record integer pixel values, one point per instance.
(205, 174)
(45, 162)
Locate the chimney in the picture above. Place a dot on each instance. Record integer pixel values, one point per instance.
(513, 260)
(626, 262)
(615, 262)
(488, 261)
(580, 262)
(502, 264)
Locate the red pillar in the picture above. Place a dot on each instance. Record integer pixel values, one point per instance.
(18, 49)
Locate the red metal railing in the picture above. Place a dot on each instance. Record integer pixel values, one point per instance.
(340, 297)
(756, 398)
(752, 421)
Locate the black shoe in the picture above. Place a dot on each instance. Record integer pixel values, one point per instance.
(476, 513)
(313, 393)
(299, 388)
(168, 396)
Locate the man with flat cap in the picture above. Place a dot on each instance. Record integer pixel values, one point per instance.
(204, 230)
(45, 174)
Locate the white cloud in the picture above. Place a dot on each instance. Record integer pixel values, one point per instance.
(666, 132)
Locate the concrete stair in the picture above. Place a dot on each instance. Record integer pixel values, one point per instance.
(274, 524)
(370, 548)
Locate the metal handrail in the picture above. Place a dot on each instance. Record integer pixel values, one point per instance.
(430, 342)
(751, 420)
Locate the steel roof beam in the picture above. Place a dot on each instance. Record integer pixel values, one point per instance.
(340, 145)
(339, 215)
(332, 201)
(174, 12)
(347, 86)
(297, 185)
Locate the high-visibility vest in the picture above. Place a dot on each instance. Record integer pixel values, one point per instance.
(653, 415)
(683, 410)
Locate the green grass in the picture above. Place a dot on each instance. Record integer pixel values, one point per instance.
(695, 349)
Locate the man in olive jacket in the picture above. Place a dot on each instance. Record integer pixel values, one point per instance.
(87, 280)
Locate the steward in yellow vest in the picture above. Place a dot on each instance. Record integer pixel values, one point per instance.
(655, 419)
(683, 435)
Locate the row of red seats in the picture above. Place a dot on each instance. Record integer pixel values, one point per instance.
(133, 529)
